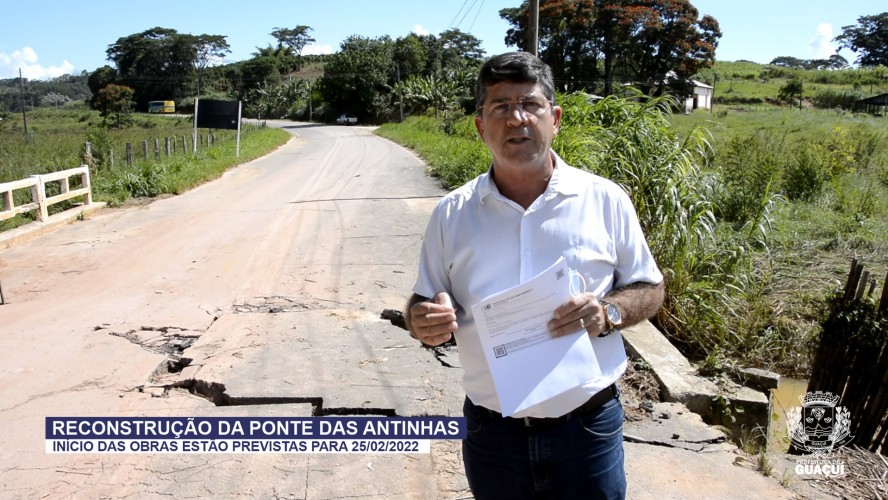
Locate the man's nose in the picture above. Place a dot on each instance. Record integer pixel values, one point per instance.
(517, 114)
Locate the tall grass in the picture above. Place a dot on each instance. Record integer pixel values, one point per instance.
(707, 264)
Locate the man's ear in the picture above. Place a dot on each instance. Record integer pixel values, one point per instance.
(556, 113)
(479, 126)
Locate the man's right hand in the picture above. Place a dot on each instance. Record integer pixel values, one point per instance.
(433, 322)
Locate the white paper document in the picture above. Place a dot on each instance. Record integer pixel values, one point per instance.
(528, 365)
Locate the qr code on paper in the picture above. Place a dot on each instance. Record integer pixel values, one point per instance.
(499, 351)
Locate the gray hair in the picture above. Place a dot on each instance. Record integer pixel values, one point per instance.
(518, 67)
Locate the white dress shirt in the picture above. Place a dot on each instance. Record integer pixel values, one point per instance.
(479, 242)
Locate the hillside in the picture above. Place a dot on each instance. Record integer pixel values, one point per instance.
(749, 83)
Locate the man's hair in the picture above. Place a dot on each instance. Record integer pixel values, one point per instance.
(518, 67)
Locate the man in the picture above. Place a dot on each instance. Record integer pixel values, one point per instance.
(503, 228)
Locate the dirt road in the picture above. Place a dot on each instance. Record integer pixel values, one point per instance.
(271, 280)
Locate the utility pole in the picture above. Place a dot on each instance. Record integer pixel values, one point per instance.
(24, 116)
(400, 96)
(533, 35)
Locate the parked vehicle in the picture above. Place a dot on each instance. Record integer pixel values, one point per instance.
(347, 120)
(161, 106)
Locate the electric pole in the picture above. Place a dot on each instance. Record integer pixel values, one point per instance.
(24, 116)
(533, 35)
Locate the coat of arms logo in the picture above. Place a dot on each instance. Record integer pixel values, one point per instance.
(819, 426)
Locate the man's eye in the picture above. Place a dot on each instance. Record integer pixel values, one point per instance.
(531, 106)
(500, 108)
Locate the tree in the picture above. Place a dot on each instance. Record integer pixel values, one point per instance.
(209, 48)
(837, 62)
(160, 63)
(359, 78)
(791, 91)
(116, 101)
(643, 40)
(668, 39)
(54, 99)
(295, 38)
(788, 62)
(410, 56)
(868, 38)
(98, 80)
(567, 38)
(459, 49)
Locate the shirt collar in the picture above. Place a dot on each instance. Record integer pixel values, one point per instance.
(561, 182)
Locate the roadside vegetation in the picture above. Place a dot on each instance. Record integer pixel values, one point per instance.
(57, 137)
(753, 216)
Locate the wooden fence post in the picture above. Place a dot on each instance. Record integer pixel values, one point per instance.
(156, 149)
(166, 146)
(145, 148)
(851, 360)
(88, 154)
(129, 154)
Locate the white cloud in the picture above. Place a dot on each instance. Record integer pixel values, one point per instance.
(313, 50)
(26, 60)
(419, 30)
(821, 45)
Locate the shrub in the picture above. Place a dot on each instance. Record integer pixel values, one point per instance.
(830, 99)
(749, 174)
(804, 173)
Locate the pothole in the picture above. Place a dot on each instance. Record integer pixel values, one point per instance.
(167, 340)
(214, 392)
(395, 316)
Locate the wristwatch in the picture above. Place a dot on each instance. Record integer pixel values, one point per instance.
(612, 318)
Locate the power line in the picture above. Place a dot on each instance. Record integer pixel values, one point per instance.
(476, 16)
(457, 12)
(467, 13)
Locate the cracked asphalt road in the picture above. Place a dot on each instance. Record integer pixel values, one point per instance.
(269, 281)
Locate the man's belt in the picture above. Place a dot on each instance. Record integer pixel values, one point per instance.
(598, 399)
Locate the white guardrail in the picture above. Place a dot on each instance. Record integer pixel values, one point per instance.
(37, 185)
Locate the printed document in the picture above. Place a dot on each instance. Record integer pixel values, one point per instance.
(528, 364)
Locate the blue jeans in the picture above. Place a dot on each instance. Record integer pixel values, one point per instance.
(581, 458)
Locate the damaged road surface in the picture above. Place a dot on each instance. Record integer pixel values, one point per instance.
(258, 294)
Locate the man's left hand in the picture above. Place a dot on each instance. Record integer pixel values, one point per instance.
(581, 312)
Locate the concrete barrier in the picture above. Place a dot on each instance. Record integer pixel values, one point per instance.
(37, 185)
(745, 411)
(41, 203)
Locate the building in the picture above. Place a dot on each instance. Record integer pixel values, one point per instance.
(876, 105)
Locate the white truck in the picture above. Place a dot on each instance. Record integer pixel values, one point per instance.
(347, 120)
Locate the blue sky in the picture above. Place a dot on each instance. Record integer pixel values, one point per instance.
(47, 38)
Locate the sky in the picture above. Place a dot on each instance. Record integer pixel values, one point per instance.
(49, 38)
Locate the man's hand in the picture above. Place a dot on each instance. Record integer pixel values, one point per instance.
(581, 312)
(432, 322)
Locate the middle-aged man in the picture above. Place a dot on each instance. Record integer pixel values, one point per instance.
(503, 228)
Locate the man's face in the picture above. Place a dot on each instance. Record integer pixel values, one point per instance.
(518, 123)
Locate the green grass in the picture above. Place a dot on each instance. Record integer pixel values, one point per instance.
(56, 139)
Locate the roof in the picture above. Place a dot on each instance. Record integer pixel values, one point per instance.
(881, 99)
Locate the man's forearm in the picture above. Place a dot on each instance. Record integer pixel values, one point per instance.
(637, 301)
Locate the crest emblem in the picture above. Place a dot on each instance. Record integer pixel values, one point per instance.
(819, 426)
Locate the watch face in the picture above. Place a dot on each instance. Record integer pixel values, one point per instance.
(613, 314)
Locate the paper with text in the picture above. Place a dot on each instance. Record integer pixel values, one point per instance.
(528, 365)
